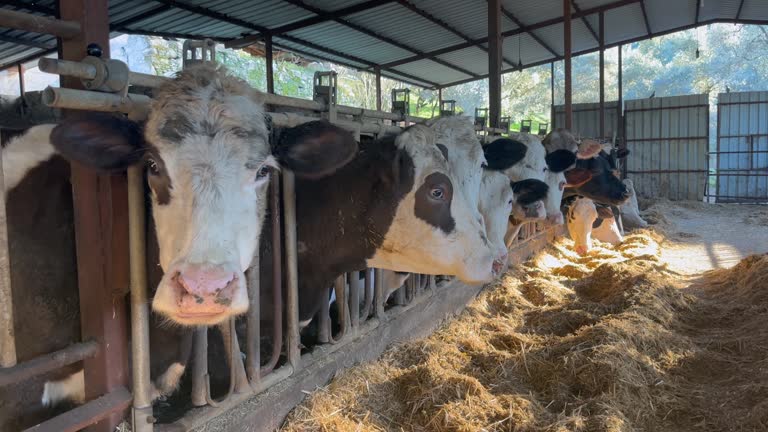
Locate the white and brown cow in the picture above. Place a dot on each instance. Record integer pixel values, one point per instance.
(390, 205)
(586, 220)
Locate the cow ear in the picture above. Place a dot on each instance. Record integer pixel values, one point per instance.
(604, 212)
(622, 153)
(504, 153)
(577, 177)
(529, 190)
(589, 149)
(315, 149)
(560, 160)
(106, 142)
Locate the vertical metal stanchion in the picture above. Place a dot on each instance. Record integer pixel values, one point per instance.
(324, 320)
(137, 243)
(200, 368)
(378, 294)
(355, 285)
(291, 270)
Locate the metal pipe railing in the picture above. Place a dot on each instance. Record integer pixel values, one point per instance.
(277, 274)
(136, 106)
(292, 339)
(48, 362)
(38, 24)
(7, 332)
(87, 71)
(142, 385)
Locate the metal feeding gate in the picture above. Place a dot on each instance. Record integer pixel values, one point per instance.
(668, 139)
(366, 323)
(741, 156)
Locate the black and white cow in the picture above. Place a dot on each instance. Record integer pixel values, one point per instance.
(389, 205)
(587, 220)
(630, 211)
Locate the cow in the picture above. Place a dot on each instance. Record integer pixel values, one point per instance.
(208, 159)
(630, 212)
(586, 220)
(563, 139)
(604, 185)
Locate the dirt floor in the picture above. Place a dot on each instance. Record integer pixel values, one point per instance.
(666, 332)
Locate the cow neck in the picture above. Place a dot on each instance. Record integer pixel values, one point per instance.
(342, 219)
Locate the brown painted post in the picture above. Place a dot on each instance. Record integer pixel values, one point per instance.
(101, 233)
(567, 61)
(602, 74)
(268, 53)
(20, 68)
(621, 82)
(378, 88)
(494, 62)
(552, 94)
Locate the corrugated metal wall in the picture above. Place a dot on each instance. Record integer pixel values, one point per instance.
(668, 140)
(586, 119)
(742, 147)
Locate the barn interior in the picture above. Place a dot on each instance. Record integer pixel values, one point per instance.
(645, 335)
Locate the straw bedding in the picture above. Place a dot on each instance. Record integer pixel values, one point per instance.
(614, 341)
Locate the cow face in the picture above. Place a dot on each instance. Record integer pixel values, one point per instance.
(558, 161)
(434, 230)
(604, 186)
(496, 201)
(581, 214)
(208, 164)
(563, 139)
(529, 200)
(605, 227)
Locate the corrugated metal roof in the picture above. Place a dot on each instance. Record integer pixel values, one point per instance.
(437, 28)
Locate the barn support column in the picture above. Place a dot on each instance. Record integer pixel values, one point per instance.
(602, 74)
(567, 62)
(552, 94)
(101, 233)
(268, 54)
(621, 82)
(494, 62)
(378, 88)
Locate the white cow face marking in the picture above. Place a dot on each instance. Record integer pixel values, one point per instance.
(581, 215)
(496, 201)
(434, 231)
(556, 182)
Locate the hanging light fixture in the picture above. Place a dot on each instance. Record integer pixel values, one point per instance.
(519, 59)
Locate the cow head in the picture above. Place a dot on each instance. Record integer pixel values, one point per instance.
(604, 186)
(558, 162)
(435, 230)
(208, 163)
(496, 202)
(563, 139)
(581, 214)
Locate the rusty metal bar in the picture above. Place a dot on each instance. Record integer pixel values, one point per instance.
(494, 62)
(142, 385)
(292, 339)
(277, 274)
(377, 71)
(92, 412)
(48, 362)
(7, 332)
(39, 24)
(568, 67)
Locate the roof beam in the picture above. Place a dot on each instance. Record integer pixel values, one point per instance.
(698, 9)
(120, 26)
(210, 13)
(645, 18)
(738, 12)
(522, 26)
(437, 21)
(383, 38)
(26, 42)
(584, 20)
(319, 17)
(516, 31)
(29, 6)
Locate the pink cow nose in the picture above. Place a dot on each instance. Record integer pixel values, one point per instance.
(581, 249)
(204, 289)
(555, 219)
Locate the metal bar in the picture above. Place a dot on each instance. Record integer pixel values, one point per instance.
(323, 318)
(227, 333)
(620, 79)
(645, 18)
(368, 295)
(133, 104)
(26, 42)
(354, 298)
(398, 296)
(210, 13)
(142, 386)
(253, 324)
(377, 72)
(663, 171)
(698, 9)
(568, 67)
(269, 64)
(39, 24)
(101, 232)
(666, 138)
(760, 199)
(742, 103)
(738, 12)
(34, 7)
(7, 331)
(113, 403)
(666, 108)
(602, 72)
(85, 71)
(584, 20)
(738, 174)
(739, 152)
(200, 367)
(378, 294)
(277, 274)
(48, 362)
(494, 62)
(339, 287)
(292, 339)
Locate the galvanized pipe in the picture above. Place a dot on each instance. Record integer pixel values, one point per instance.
(38, 24)
(7, 332)
(200, 368)
(48, 362)
(227, 331)
(368, 295)
(323, 318)
(292, 339)
(87, 71)
(142, 385)
(378, 294)
(277, 274)
(339, 286)
(135, 105)
(354, 298)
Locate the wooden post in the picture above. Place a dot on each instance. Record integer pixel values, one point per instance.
(378, 88)
(494, 62)
(270, 64)
(101, 233)
(567, 61)
(602, 74)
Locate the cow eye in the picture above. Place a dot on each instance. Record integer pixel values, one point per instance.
(545, 169)
(152, 167)
(437, 193)
(484, 165)
(262, 173)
